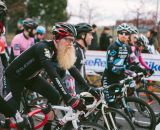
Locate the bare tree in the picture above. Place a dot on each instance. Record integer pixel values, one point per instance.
(87, 12)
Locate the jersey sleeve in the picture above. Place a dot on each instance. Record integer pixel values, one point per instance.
(78, 77)
(15, 44)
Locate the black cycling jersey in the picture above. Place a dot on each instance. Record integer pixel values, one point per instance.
(80, 61)
(41, 56)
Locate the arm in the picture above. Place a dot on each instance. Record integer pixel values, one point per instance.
(16, 47)
(142, 62)
(77, 76)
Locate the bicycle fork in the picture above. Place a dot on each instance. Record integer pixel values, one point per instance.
(108, 118)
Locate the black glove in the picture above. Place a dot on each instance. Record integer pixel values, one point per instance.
(77, 104)
(94, 92)
(25, 124)
(151, 71)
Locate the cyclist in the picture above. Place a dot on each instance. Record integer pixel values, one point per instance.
(83, 40)
(40, 34)
(24, 40)
(118, 56)
(24, 70)
(5, 108)
(137, 46)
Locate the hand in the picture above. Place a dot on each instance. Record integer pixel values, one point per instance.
(95, 93)
(148, 72)
(77, 104)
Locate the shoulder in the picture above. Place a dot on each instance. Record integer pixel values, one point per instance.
(17, 37)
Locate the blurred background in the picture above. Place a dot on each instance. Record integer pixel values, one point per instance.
(144, 14)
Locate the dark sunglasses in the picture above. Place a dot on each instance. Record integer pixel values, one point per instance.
(122, 33)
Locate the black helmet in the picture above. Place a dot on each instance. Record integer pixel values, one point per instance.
(83, 27)
(61, 30)
(29, 24)
(3, 11)
(3, 8)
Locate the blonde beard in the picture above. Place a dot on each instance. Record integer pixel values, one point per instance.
(66, 56)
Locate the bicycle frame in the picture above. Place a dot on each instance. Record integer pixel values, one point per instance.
(31, 114)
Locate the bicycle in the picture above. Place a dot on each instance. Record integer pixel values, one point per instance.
(110, 117)
(133, 107)
(146, 95)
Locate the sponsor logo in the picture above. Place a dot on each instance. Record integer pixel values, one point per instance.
(153, 66)
(96, 62)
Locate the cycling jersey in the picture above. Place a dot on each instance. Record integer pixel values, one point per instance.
(138, 54)
(41, 56)
(118, 56)
(80, 61)
(20, 43)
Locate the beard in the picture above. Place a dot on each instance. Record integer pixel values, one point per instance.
(66, 56)
(123, 39)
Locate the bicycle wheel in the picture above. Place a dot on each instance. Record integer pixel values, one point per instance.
(84, 126)
(120, 121)
(150, 98)
(137, 110)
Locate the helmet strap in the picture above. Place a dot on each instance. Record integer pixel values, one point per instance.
(84, 39)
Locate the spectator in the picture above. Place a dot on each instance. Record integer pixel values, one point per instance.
(94, 43)
(153, 38)
(19, 26)
(105, 39)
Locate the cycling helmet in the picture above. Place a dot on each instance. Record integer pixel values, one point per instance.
(123, 27)
(29, 24)
(133, 30)
(3, 8)
(61, 30)
(83, 27)
(143, 41)
(40, 30)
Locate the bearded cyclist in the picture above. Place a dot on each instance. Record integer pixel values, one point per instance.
(47, 55)
(24, 40)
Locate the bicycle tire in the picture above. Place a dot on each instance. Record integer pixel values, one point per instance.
(119, 117)
(139, 107)
(155, 105)
(84, 126)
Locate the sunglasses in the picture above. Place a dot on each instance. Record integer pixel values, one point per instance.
(124, 33)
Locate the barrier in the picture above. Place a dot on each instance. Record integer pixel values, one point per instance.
(96, 61)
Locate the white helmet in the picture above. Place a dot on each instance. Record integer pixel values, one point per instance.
(123, 27)
(143, 41)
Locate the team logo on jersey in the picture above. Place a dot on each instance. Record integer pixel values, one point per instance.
(112, 53)
(47, 53)
(16, 47)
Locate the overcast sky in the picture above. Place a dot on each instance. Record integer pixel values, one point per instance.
(106, 12)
